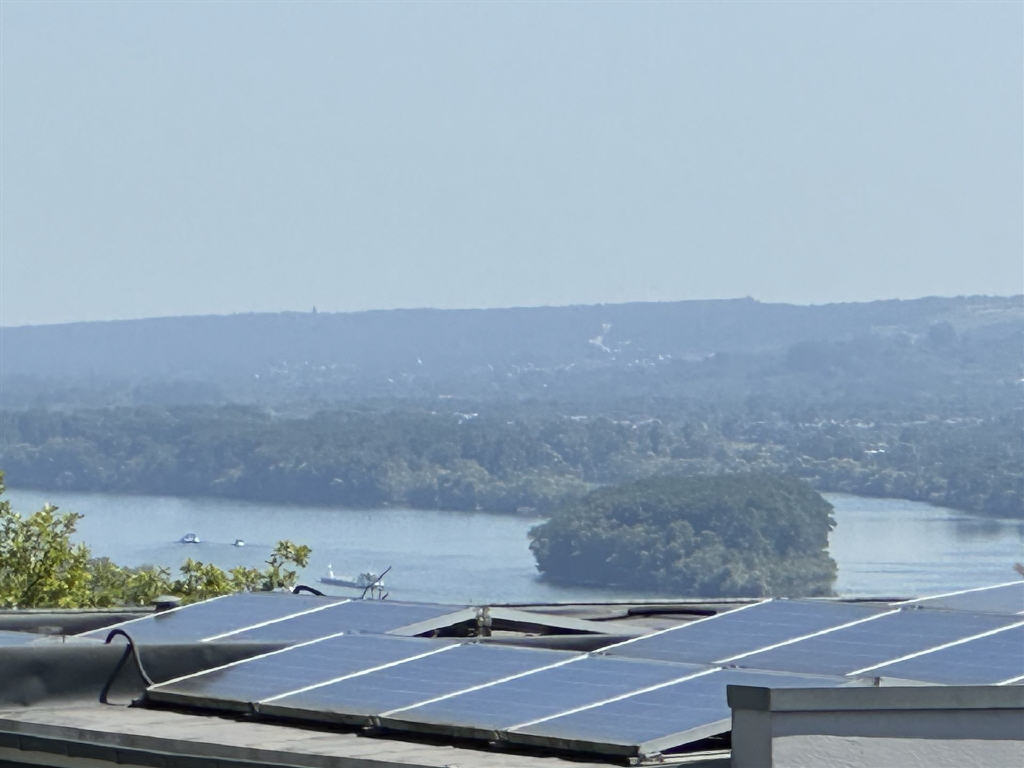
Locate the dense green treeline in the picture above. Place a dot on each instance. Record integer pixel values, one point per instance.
(731, 535)
(505, 458)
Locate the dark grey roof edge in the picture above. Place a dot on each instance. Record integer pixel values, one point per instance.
(119, 748)
(611, 748)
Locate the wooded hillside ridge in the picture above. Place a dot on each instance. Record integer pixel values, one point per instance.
(729, 349)
(518, 409)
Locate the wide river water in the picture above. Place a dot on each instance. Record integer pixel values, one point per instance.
(884, 547)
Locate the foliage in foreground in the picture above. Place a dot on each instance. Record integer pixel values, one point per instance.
(41, 567)
(726, 535)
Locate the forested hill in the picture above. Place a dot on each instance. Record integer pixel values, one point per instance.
(504, 409)
(579, 353)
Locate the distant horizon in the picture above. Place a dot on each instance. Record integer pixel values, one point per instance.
(320, 311)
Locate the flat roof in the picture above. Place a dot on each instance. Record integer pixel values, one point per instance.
(62, 730)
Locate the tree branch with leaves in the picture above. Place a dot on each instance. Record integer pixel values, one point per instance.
(40, 566)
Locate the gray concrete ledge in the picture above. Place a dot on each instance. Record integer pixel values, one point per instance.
(67, 736)
(916, 697)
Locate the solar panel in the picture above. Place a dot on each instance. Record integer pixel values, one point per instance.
(651, 721)
(632, 698)
(378, 616)
(464, 666)
(595, 703)
(236, 685)
(1001, 598)
(887, 637)
(201, 621)
(581, 681)
(742, 630)
(989, 659)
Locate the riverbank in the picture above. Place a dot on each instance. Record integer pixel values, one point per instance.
(823, 478)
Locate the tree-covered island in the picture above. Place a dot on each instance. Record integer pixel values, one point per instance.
(724, 535)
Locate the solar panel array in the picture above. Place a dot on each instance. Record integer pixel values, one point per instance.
(1000, 598)
(990, 658)
(516, 694)
(635, 697)
(236, 685)
(847, 650)
(414, 680)
(743, 630)
(279, 617)
(545, 692)
(655, 720)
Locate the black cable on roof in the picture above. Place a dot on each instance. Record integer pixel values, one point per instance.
(129, 650)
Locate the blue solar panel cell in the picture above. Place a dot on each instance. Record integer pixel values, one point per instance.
(201, 621)
(989, 660)
(238, 684)
(743, 630)
(377, 616)
(581, 681)
(660, 718)
(888, 637)
(1002, 598)
(402, 685)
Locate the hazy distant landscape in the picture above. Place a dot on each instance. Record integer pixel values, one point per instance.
(524, 409)
(460, 262)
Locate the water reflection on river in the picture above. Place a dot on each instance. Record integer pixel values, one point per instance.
(883, 546)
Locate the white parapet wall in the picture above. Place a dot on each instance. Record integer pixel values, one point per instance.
(909, 726)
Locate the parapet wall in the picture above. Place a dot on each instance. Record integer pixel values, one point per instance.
(873, 727)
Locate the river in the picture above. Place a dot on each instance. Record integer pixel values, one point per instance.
(884, 547)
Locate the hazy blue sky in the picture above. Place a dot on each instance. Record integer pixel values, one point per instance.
(183, 158)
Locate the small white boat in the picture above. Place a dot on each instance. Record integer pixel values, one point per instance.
(239, 543)
(360, 581)
(189, 538)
